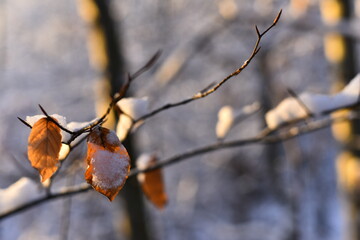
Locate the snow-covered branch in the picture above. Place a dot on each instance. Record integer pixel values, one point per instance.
(266, 136)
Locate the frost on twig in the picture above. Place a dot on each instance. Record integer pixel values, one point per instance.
(290, 108)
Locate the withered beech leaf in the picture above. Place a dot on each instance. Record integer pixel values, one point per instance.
(152, 182)
(44, 145)
(108, 162)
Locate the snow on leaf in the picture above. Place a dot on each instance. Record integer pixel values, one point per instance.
(44, 145)
(72, 126)
(133, 108)
(152, 182)
(290, 109)
(60, 119)
(33, 119)
(108, 162)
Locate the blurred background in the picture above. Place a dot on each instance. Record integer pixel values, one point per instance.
(71, 56)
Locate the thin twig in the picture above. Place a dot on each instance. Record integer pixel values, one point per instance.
(148, 65)
(211, 85)
(245, 113)
(101, 120)
(162, 108)
(124, 89)
(78, 143)
(24, 122)
(202, 93)
(205, 92)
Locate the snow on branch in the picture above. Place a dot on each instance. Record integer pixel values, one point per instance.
(22, 191)
(292, 109)
(264, 137)
(229, 117)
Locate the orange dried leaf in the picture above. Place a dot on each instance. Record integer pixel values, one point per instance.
(44, 145)
(108, 162)
(152, 183)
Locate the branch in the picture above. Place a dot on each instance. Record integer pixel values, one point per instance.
(148, 65)
(85, 187)
(264, 137)
(205, 93)
(122, 93)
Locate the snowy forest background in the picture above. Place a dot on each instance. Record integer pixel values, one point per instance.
(290, 190)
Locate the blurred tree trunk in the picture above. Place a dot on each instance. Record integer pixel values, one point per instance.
(107, 58)
(340, 52)
(274, 154)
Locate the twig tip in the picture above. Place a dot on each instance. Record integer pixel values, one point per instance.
(257, 50)
(24, 122)
(43, 111)
(277, 17)
(257, 30)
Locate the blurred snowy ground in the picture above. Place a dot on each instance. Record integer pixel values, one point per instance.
(224, 195)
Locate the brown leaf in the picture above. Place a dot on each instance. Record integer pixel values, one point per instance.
(44, 145)
(108, 162)
(152, 183)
